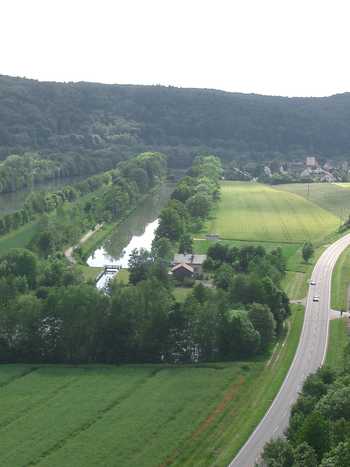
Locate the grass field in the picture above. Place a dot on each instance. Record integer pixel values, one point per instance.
(258, 212)
(144, 415)
(19, 238)
(337, 341)
(334, 197)
(341, 282)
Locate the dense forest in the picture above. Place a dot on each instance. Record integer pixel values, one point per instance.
(83, 128)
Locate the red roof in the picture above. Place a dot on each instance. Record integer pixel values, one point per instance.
(184, 266)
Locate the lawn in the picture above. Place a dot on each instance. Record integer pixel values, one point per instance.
(144, 415)
(341, 282)
(337, 341)
(256, 212)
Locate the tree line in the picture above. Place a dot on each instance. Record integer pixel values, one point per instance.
(49, 314)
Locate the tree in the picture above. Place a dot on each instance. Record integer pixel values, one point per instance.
(304, 456)
(315, 432)
(308, 251)
(337, 457)
(170, 224)
(186, 243)
(263, 321)
(198, 206)
(278, 453)
(140, 263)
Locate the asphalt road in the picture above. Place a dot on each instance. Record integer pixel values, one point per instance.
(309, 356)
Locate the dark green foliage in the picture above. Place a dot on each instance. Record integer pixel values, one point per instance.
(319, 427)
(307, 251)
(88, 127)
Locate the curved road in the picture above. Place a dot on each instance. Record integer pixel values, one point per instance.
(309, 356)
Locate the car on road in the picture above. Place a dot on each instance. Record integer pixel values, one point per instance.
(316, 298)
(312, 283)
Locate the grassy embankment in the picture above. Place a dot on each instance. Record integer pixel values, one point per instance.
(338, 339)
(142, 415)
(273, 217)
(338, 329)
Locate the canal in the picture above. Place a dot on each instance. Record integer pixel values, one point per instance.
(137, 231)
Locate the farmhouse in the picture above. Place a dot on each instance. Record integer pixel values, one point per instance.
(182, 270)
(182, 261)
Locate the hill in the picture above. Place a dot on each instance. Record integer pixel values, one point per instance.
(103, 123)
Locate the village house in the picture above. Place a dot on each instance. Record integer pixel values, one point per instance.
(187, 265)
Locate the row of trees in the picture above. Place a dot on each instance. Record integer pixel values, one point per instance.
(319, 427)
(191, 202)
(112, 194)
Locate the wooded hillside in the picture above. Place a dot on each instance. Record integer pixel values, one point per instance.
(97, 124)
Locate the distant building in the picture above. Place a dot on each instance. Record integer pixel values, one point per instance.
(194, 261)
(311, 162)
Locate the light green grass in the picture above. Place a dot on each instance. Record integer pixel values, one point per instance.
(181, 293)
(256, 212)
(88, 272)
(122, 277)
(337, 341)
(142, 415)
(334, 197)
(295, 285)
(341, 282)
(19, 238)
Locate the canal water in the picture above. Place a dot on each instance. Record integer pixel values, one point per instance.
(137, 231)
(11, 202)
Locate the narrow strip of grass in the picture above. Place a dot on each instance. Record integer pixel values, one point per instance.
(295, 285)
(337, 341)
(341, 281)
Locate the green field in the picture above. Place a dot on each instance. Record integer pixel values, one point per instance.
(341, 282)
(144, 415)
(334, 197)
(256, 212)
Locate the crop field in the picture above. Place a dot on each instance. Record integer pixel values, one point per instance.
(144, 415)
(334, 197)
(258, 212)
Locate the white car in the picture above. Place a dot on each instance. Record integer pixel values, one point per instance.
(316, 298)
(312, 283)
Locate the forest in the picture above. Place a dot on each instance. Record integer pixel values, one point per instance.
(61, 129)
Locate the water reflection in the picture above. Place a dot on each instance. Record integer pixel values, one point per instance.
(11, 202)
(136, 232)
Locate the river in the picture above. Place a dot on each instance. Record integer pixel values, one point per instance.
(10, 202)
(137, 231)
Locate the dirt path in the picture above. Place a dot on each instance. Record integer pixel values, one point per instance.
(68, 253)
